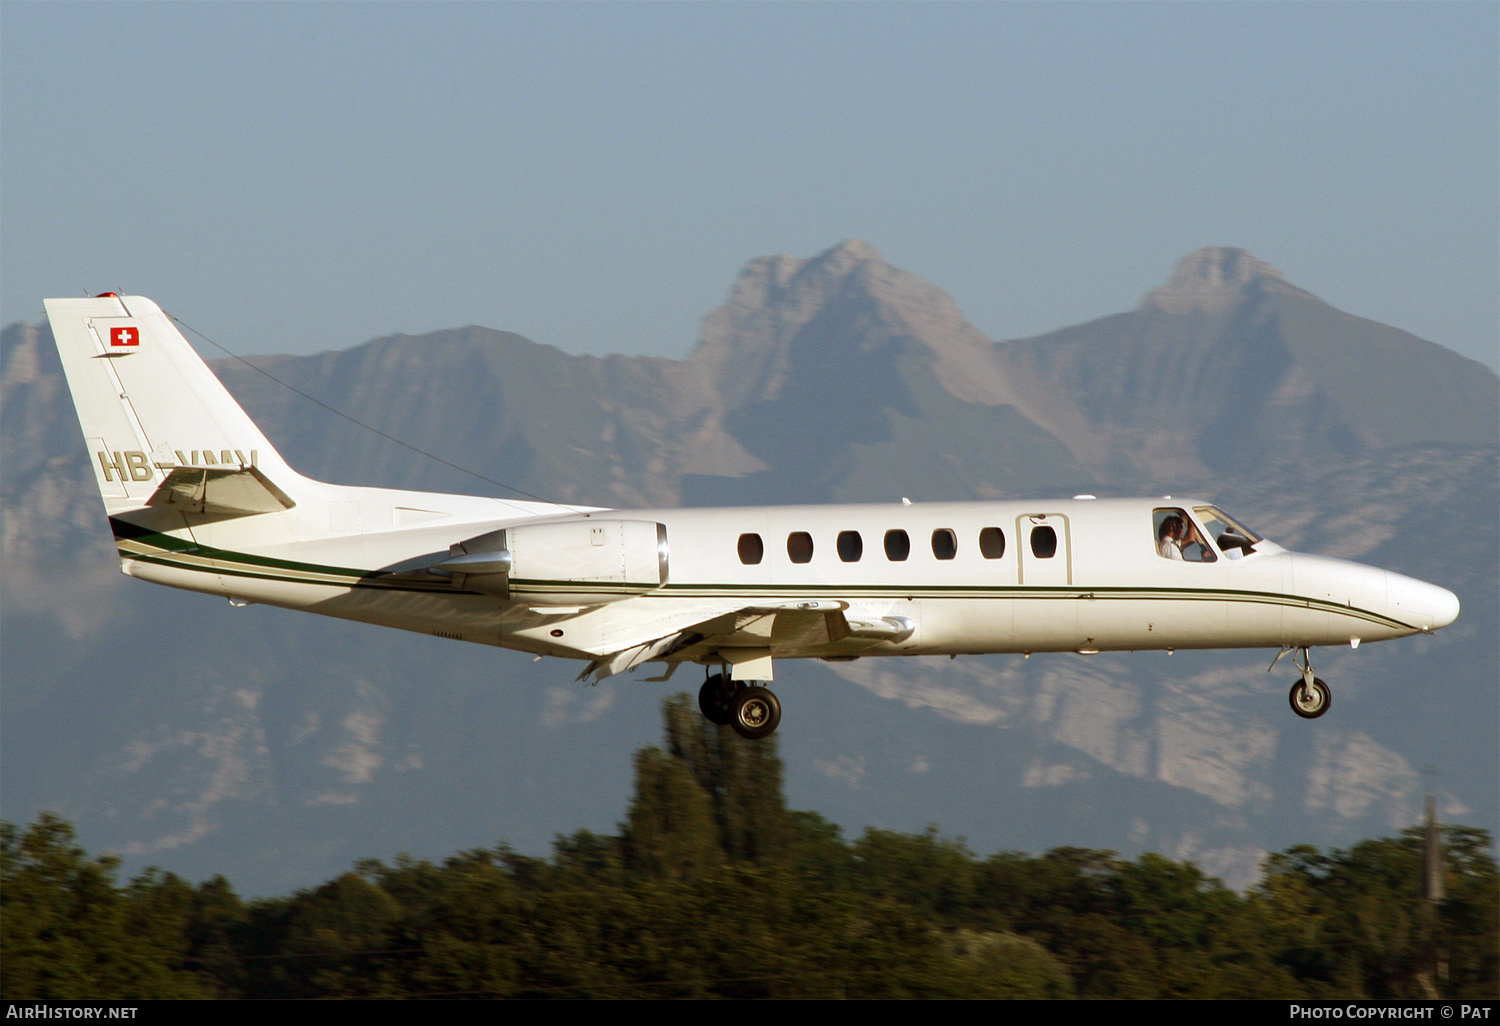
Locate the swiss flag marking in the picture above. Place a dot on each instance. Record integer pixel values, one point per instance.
(124, 336)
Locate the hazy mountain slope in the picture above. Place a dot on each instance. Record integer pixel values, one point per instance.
(48, 508)
(833, 371)
(612, 431)
(276, 748)
(1228, 365)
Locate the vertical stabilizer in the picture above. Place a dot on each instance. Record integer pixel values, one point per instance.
(147, 402)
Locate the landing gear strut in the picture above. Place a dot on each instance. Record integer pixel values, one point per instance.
(1310, 697)
(753, 712)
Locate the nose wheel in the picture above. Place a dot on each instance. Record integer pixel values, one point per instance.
(1309, 697)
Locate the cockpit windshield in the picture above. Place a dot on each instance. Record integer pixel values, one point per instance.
(1233, 538)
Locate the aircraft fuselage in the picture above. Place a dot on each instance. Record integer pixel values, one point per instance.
(1104, 586)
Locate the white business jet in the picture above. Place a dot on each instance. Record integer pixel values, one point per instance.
(199, 499)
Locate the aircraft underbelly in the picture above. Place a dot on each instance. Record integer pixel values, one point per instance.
(972, 626)
(204, 580)
(1157, 621)
(1070, 620)
(1046, 620)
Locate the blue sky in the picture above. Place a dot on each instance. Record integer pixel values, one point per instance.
(300, 177)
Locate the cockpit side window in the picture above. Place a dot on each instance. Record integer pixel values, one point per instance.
(1178, 538)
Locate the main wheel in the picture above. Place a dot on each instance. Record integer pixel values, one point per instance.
(755, 713)
(716, 698)
(1310, 702)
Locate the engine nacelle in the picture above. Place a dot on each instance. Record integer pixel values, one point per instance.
(580, 562)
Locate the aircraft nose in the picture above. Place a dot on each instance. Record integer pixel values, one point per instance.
(1425, 604)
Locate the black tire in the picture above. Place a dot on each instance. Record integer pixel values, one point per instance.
(716, 698)
(756, 713)
(1310, 703)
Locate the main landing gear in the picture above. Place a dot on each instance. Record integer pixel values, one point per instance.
(1309, 697)
(753, 711)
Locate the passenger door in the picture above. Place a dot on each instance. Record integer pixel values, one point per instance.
(1045, 609)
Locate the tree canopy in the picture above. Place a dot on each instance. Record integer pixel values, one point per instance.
(713, 888)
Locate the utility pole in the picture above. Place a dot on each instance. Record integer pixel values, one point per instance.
(1434, 967)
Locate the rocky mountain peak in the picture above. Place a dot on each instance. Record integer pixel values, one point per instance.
(781, 306)
(777, 279)
(745, 344)
(1215, 279)
(845, 256)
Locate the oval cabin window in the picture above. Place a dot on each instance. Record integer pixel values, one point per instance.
(897, 546)
(944, 543)
(799, 547)
(1043, 542)
(752, 549)
(851, 546)
(992, 543)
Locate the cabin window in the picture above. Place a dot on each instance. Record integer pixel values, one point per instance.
(1178, 538)
(799, 547)
(752, 549)
(851, 546)
(944, 543)
(897, 546)
(992, 543)
(1043, 542)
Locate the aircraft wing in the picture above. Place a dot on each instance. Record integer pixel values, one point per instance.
(824, 628)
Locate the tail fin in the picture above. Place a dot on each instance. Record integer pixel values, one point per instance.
(160, 427)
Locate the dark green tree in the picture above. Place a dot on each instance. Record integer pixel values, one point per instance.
(741, 778)
(67, 932)
(670, 832)
(1356, 925)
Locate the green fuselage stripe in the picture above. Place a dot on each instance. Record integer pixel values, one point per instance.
(238, 564)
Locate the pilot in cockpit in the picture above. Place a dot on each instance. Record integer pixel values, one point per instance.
(1169, 537)
(1178, 537)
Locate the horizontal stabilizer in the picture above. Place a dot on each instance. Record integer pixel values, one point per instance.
(230, 491)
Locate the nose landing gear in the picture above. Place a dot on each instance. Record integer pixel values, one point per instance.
(1309, 697)
(753, 712)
